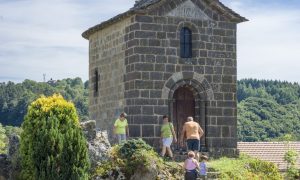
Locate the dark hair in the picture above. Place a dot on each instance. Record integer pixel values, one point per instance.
(165, 116)
(123, 114)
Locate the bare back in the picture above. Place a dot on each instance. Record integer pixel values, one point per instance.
(192, 130)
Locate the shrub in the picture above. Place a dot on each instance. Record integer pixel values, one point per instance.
(3, 140)
(135, 155)
(52, 143)
(245, 168)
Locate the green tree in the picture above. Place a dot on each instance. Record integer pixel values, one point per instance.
(52, 142)
(3, 140)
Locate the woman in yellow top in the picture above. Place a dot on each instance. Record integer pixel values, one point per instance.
(167, 135)
(121, 128)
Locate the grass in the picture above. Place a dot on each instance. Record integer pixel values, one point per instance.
(245, 168)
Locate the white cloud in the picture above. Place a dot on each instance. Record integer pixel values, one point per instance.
(41, 36)
(269, 43)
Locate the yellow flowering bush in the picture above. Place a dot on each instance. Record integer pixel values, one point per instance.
(52, 143)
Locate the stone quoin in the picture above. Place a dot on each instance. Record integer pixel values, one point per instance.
(167, 57)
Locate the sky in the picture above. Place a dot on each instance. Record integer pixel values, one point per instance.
(44, 37)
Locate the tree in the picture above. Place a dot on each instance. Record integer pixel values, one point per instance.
(3, 140)
(52, 143)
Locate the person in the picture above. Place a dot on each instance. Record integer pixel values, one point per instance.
(121, 128)
(193, 133)
(167, 136)
(203, 167)
(190, 166)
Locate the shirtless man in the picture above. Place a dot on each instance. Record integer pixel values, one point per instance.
(193, 133)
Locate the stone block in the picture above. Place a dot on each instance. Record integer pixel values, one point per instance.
(158, 84)
(132, 94)
(213, 131)
(187, 75)
(144, 67)
(225, 131)
(147, 19)
(156, 75)
(159, 67)
(161, 110)
(142, 84)
(151, 27)
(145, 94)
(134, 130)
(150, 50)
(155, 94)
(230, 121)
(149, 110)
(147, 130)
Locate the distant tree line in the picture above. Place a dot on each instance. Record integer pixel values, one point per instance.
(15, 98)
(267, 110)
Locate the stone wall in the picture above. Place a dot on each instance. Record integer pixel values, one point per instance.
(153, 58)
(107, 54)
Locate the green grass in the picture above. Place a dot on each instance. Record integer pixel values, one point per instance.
(245, 168)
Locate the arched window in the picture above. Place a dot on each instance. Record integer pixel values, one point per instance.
(185, 43)
(96, 83)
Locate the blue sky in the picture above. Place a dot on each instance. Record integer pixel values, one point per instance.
(44, 37)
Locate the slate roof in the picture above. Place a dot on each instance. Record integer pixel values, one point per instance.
(269, 151)
(141, 5)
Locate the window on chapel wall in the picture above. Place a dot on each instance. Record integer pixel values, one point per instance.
(185, 43)
(96, 83)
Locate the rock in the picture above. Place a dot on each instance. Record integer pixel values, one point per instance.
(99, 148)
(98, 143)
(145, 173)
(89, 129)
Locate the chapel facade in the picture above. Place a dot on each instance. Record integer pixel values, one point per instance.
(167, 57)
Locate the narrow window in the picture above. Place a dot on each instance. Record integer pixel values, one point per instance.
(185, 43)
(96, 88)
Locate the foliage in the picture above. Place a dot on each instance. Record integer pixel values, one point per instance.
(267, 110)
(291, 157)
(52, 143)
(135, 155)
(15, 98)
(3, 140)
(245, 168)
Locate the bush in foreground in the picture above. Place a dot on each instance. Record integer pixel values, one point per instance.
(245, 168)
(52, 143)
(135, 159)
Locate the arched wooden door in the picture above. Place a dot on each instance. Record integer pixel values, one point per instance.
(184, 106)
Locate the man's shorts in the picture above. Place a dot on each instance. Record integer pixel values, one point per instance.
(193, 144)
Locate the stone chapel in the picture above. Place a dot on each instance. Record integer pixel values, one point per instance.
(167, 57)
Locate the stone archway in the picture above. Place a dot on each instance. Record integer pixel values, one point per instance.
(199, 92)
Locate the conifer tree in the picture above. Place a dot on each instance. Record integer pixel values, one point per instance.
(52, 143)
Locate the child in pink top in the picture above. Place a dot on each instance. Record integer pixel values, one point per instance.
(190, 166)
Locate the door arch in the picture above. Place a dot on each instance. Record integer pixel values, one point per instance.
(183, 106)
(186, 100)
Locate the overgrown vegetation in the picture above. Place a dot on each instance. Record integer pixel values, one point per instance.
(245, 168)
(52, 143)
(135, 155)
(3, 140)
(5, 133)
